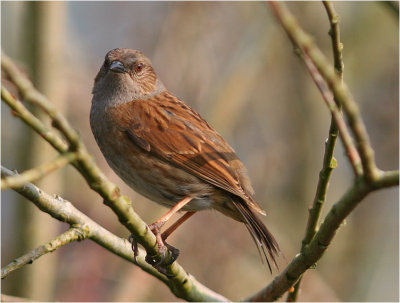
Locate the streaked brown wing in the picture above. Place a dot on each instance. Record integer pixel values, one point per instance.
(167, 127)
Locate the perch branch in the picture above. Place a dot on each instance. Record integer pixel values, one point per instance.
(180, 282)
(64, 211)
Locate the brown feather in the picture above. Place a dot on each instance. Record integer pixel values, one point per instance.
(263, 238)
(182, 137)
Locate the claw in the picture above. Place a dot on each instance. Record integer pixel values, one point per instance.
(174, 253)
(163, 249)
(135, 247)
(161, 264)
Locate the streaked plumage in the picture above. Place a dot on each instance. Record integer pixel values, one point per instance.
(164, 149)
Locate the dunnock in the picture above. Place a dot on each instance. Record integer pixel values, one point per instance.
(167, 152)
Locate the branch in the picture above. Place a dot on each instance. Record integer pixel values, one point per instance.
(73, 234)
(338, 125)
(314, 251)
(37, 172)
(334, 32)
(32, 95)
(329, 162)
(340, 91)
(370, 178)
(181, 283)
(26, 116)
(64, 211)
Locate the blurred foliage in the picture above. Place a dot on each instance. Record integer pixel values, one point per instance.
(233, 63)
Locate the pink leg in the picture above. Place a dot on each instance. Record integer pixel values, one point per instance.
(156, 227)
(178, 223)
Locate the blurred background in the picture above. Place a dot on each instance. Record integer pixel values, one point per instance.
(233, 63)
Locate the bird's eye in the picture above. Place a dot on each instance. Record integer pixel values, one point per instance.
(139, 67)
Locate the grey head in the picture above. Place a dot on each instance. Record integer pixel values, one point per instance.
(125, 75)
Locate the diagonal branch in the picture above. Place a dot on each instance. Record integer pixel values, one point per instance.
(37, 172)
(322, 239)
(26, 116)
(72, 234)
(32, 95)
(64, 211)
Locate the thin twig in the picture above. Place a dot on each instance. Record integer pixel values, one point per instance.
(72, 234)
(25, 115)
(339, 127)
(31, 94)
(334, 32)
(38, 172)
(339, 89)
(329, 162)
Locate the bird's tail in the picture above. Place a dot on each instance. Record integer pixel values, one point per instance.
(265, 241)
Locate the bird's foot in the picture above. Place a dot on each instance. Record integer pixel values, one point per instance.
(135, 248)
(168, 253)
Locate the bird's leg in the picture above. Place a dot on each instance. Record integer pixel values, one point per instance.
(178, 223)
(171, 229)
(156, 228)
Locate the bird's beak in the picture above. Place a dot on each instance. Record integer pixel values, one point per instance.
(117, 67)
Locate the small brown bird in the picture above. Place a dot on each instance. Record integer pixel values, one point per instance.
(167, 152)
